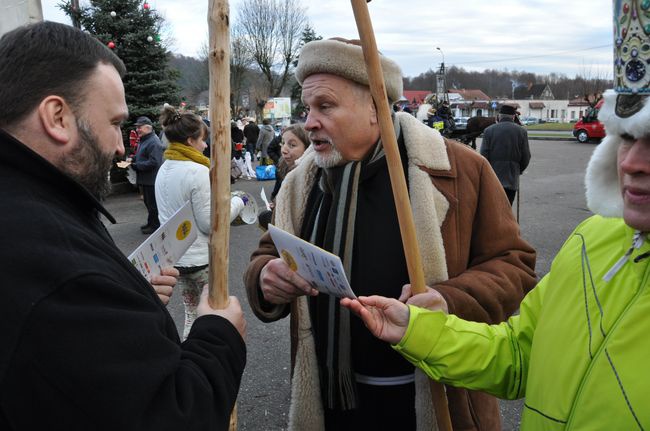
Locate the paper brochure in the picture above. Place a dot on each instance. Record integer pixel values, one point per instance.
(322, 269)
(167, 244)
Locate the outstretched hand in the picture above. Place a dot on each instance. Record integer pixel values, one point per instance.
(386, 318)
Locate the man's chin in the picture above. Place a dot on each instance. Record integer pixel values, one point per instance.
(329, 159)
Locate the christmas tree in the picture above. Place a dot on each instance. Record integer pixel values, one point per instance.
(131, 29)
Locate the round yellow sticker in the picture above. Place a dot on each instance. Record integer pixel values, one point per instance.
(290, 261)
(183, 230)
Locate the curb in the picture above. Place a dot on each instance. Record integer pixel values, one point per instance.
(551, 138)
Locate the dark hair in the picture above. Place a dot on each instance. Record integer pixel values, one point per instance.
(300, 132)
(266, 121)
(178, 126)
(43, 59)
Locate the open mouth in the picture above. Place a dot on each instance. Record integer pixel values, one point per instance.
(320, 144)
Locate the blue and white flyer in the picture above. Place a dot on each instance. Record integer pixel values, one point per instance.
(322, 269)
(167, 244)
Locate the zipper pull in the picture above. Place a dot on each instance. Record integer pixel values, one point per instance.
(637, 242)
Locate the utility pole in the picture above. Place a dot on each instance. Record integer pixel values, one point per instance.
(19, 12)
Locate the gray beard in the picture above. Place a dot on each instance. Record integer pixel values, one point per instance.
(332, 159)
(87, 164)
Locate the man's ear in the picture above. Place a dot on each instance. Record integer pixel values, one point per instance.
(57, 119)
(374, 119)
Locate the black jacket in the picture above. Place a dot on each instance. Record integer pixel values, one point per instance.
(148, 159)
(251, 132)
(87, 343)
(505, 146)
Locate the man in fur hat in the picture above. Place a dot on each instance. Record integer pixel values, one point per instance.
(505, 145)
(339, 197)
(578, 351)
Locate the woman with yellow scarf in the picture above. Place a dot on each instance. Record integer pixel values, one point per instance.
(185, 176)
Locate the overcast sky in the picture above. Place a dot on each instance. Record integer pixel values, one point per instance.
(541, 36)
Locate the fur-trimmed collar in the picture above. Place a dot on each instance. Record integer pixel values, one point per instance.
(601, 180)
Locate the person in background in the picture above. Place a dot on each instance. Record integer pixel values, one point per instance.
(294, 144)
(237, 138)
(147, 160)
(274, 149)
(237, 162)
(339, 198)
(251, 133)
(87, 343)
(185, 176)
(505, 146)
(263, 140)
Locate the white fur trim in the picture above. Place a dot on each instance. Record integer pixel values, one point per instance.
(345, 59)
(424, 409)
(637, 125)
(306, 409)
(601, 180)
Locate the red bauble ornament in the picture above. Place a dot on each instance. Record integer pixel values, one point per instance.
(111, 44)
(146, 6)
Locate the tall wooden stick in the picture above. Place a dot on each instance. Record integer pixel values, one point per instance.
(398, 182)
(219, 63)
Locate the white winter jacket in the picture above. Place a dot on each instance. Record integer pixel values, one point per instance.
(179, 181)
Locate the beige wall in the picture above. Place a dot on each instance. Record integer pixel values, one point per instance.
(14, 13)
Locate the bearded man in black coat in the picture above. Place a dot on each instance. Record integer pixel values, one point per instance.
(87, 342)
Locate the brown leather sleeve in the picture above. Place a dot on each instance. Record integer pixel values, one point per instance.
(265, 311)
(491, 267)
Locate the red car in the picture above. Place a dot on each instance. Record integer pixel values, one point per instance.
(588, 127)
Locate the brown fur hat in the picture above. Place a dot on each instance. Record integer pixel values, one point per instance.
(343, 57)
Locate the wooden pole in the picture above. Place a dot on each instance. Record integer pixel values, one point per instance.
(398, 182)
(219, 64)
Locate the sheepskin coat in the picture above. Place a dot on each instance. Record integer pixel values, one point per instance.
(471, 250)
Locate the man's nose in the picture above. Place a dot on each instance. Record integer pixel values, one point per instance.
(311, 123)
(120, 151)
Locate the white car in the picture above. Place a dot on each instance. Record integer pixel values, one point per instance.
(461, 123)
(527, 121)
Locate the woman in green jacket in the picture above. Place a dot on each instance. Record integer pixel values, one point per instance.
(578, 351)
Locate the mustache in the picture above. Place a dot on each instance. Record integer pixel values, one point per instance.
(315, 138)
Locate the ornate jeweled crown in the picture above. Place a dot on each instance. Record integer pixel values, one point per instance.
(632, 46)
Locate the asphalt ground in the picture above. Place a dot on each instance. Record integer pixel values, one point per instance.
(552, 204)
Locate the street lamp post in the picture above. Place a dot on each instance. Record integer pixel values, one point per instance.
(441, 81)
(442, 66)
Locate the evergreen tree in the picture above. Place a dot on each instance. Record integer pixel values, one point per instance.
(131, 29)
(308, 35)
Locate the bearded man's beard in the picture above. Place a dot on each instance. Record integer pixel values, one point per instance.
(330, 159)
(87, 164)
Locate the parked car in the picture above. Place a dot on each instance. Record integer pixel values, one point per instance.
(527, 121)
(588, 127)
(461, 123)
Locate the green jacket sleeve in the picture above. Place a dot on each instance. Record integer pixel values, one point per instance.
(477, 356)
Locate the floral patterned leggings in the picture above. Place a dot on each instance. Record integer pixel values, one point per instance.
(191, 286)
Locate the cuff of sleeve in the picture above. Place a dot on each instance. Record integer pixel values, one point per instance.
(212, 323)
(422, 334)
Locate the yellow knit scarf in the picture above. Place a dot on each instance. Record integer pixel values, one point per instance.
(178, 151)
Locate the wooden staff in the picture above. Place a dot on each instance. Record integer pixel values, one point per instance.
(398, 182)
(219, 62)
